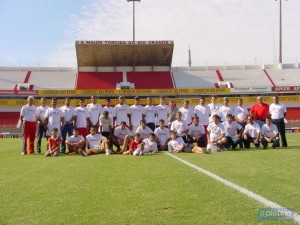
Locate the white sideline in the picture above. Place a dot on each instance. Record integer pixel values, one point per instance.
(245, 191)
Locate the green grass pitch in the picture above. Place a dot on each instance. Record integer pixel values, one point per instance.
(153, 189)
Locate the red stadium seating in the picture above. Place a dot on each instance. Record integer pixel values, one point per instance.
(9, 118)
(98, 80)
(151, 80)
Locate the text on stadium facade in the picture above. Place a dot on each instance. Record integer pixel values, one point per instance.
(125, 42)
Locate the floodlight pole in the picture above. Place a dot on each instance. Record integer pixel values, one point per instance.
(280, 33)
(133, 1)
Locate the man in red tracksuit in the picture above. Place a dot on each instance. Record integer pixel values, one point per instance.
(28, 118)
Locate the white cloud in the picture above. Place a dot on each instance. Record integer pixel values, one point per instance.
(218, 31)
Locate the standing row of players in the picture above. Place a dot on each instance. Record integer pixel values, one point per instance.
(211, 119)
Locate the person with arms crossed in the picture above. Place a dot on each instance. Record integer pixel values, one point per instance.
(269, 134)
(150, 111)
(260, 111)
(137, 114)
(41, 132)
(278, 113)
(28, 118)
(94, 111)
(69, 115)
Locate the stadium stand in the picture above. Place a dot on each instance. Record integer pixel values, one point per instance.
(9, 79)
(151, 80)
(53, 80)
(246, 78)
(286, 77)
(9, 118)
(98, 80)
(195, 79)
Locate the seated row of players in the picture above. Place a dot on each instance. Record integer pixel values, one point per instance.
(65, 118)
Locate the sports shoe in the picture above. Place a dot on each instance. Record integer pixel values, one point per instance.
(107, 152)
(141, 153)
(23, 153)
(82, 152)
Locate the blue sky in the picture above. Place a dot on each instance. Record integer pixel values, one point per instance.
(43, 32)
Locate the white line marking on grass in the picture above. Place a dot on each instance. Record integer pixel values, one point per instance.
(245, 191)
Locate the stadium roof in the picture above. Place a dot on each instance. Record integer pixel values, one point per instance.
(124, 53)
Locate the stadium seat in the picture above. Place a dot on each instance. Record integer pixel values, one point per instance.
(98, 80)
(151, 80)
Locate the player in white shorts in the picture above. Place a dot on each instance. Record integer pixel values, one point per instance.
(137, 114)
(94, 111)
(122, 113)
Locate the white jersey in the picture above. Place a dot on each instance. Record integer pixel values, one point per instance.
(29, 113)
(186, 114)
(72, 139)
(94, 112)
(120, 134)
(41, 112)
(110, 110)
(162, 113)
(68, 112)
(121, 112)
(54, 116)
(216, 131)
(82, 115)
(162, 135)
(137, 112)
(231, 128)
(224, 111)
(106, 123)
(149, 145)
(94, 141)
(144, 133)
(240, 112)
(180, 127)
(176, 144)
(150, 111)
(196, 131)
(214, 109)
(252, 129)
(277, 111)
(269, 131)
(203, 112)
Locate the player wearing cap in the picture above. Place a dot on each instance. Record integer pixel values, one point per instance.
(28, 118)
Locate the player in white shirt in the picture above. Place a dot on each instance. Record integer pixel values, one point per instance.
(75, 143)
(94, 111)
(180, 127)
(214, 107)
(137, 114)
(122, 113)
(150, 111)
(149, 144)
(176, 144)
(82, 119)
(96, 144)
(108, 108)
(106, 124)
(203, 112)
(122, 135)
(196, 133)
(143, 130)
(251, 133)
(278, 113)
(225, 109)
(28, 118)
(233, 132)
(53, 118)
(216, 135)
(187, 113)
(41, 132)
(269, 134)
(69, 115)
(162, 111)
(240, 113)
(162, 135)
